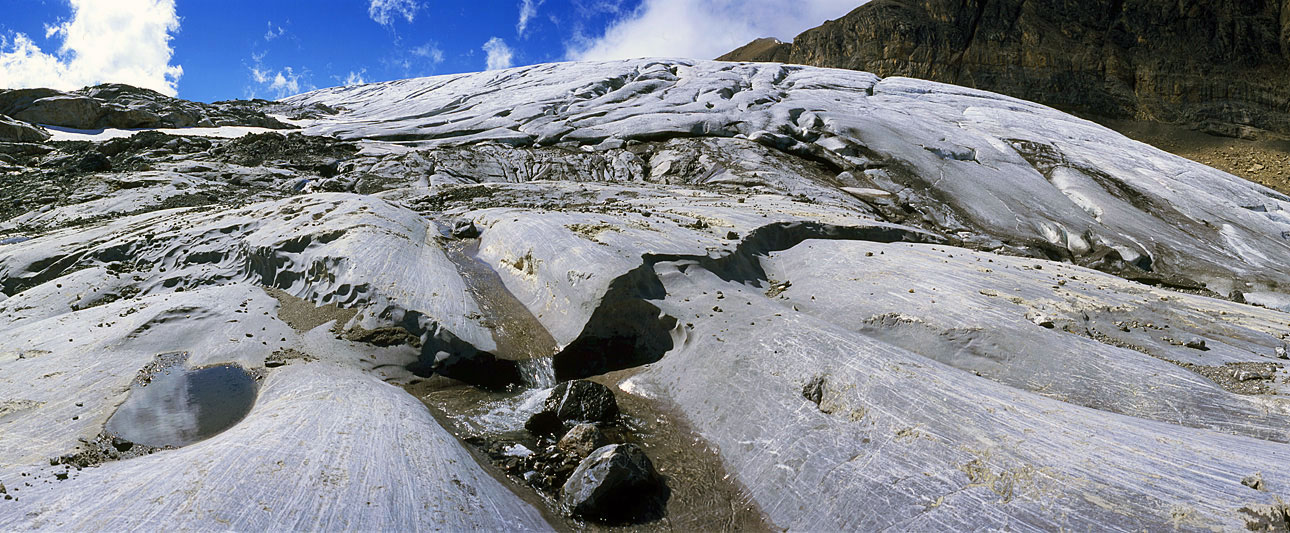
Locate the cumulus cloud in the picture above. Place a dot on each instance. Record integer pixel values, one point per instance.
(356, 78)
(385, 11)
(499, 54)
(104, 41)
(703, 29)
(285, 82)
(528, 10)
(280, 83)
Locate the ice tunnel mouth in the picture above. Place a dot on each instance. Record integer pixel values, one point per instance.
(172, 406)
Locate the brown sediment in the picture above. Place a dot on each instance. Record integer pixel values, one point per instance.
(303, 315)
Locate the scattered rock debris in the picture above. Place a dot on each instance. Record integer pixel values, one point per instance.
(578, 429)
(286, 356)
(1255, 481)
(103, 448)
(778, 288)
(1274, 517)
(1239, 378)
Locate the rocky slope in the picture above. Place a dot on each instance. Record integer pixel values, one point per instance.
(823, 299)
(1266, 162)
(123, 106)
(1221, 66)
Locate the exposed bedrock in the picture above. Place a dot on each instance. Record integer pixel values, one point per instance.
(116, 105)
(17, 131)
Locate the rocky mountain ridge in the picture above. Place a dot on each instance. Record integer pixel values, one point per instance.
(125, 107)
(1221, 67)
(818, 299)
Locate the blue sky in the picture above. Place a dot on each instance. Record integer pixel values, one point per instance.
(211, 50)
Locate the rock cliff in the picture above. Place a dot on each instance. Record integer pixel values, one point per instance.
(1219, 66)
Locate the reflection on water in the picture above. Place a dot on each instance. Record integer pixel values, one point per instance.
(181, 406)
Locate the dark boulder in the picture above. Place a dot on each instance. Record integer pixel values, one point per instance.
(93, 162)
(616, 484)
(545, 423)
(465, 228)
(570, 403)
(582, 401)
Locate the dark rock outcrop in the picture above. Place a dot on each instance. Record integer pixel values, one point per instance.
(1222, 67)
(116, 105)
(616, 484)
(763, 49)
(17, 131)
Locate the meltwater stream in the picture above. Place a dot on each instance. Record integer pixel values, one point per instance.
(519, 336)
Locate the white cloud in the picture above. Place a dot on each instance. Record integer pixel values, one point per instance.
(356, 78)
(703, 29)
(499, 54)
(104, 41)
(271, 34)
(385, 11)
(430, 52)
(281, 83)
(528, 10)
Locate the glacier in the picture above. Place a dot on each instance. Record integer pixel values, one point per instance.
(875, 303)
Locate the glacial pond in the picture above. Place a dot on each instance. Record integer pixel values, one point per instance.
(177, 406)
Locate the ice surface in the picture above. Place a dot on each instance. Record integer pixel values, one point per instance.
(885, 303)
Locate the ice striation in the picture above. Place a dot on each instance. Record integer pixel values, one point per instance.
(879, 303)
